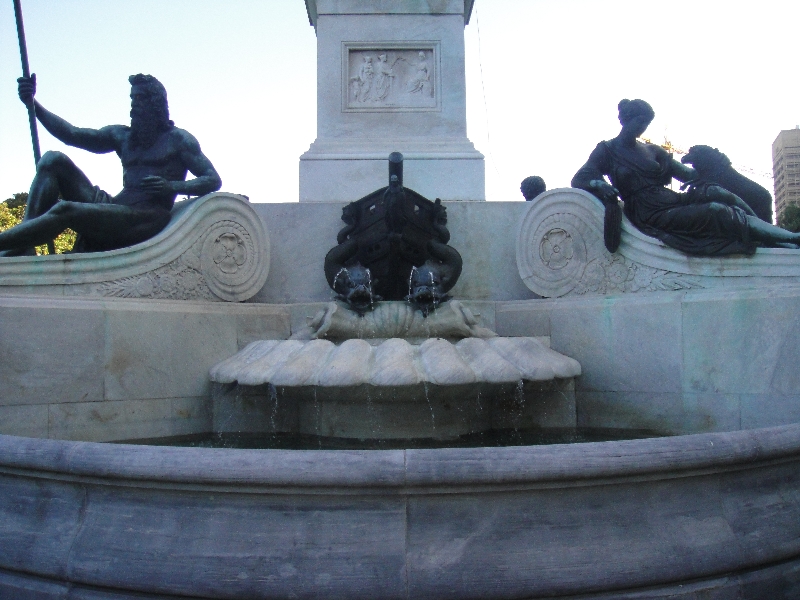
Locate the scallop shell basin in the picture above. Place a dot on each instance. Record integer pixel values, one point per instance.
(394, 362)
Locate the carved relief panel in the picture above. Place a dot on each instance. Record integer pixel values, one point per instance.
(390, 77)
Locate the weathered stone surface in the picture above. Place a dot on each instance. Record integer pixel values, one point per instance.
(686, 517)
(50, 355)
(685, 362)
(634, 344)
(394, 389)
(518, 318)
(141, 344)
(129, 419)
(398, 319)
(115, 369)
(412, 102)
(755, 341)
(28, 420)
(214, 248)
(479, 230)
(296, 363)
(560, 252)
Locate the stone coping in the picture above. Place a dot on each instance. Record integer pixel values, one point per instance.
(405, 471)
(677, 517)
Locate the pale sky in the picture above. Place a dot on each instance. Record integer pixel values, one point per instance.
(543, 81)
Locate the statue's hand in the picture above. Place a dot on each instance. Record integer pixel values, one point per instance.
(155, 185)
(604, 191)
(26, 88)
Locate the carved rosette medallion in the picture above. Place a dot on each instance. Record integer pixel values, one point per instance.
(552, 253)
(556, 249)
(229, 252)
(227, 257)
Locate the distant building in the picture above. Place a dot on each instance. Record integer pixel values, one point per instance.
(786, 169)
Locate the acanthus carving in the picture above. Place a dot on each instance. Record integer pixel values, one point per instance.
(174, 281)
(613, 273)
(222, 257)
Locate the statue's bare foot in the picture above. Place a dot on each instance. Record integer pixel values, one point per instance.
(18, 252)
(787, 245)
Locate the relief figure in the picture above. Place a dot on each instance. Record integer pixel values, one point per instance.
(383, 79)
(420, 82)
(362, 85)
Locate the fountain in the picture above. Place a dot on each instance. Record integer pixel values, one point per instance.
(712, 510)
(418, 364)
(119, 346)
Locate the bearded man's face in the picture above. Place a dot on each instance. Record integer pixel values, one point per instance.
(147, 118)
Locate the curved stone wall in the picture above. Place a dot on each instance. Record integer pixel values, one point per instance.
(214, 248)
(560, 252)
(711, 515)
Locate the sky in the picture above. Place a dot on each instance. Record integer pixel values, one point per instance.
(543, 81)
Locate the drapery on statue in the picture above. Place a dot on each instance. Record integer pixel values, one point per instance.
(707, 220)
(156, 157)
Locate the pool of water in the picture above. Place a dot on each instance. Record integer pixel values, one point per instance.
(294, 441)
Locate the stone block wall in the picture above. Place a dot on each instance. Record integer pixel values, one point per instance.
(676, 362)
(100, 370)
(484, 233)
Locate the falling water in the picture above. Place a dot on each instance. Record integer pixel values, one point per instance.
(374, 417)
(430, 406)
(273, 399)
(336, 278)
(410, 278)
(371, 297)
(223, 426)
(433, 283)
(318, 414)
(518, 406)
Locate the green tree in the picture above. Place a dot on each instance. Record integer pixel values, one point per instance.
(12, 211)
(790, 218)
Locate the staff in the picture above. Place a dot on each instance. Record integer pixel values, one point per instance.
(26, 72)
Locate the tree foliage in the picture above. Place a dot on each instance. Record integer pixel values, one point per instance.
(790, 218)
(12, 211)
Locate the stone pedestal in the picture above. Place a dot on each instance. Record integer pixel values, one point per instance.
(390, 77)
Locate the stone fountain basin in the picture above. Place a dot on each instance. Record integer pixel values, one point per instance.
(390, 388)
(394, 363)
(712, 515)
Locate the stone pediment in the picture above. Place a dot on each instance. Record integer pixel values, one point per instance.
(560, 252)
(214, 248)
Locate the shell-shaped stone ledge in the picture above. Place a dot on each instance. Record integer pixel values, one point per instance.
(394, 362)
